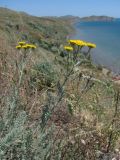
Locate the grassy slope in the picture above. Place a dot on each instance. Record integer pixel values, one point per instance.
(32, 28)
(84, 115)
(44, 32)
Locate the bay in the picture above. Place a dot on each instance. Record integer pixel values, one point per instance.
(106, 35)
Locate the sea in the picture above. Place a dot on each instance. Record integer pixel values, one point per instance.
(106, 35)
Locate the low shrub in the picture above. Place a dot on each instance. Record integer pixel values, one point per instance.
(42, 75)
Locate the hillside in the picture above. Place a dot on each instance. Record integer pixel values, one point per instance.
(55, 103)
(25, 26)
(71, 19)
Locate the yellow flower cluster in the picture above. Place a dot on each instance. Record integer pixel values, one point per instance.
(68, 48)
(76, 42)
(82, 43)
(24, 45)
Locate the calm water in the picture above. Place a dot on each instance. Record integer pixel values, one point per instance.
(106, 35)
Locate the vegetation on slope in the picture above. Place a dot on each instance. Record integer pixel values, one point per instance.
(52, 108)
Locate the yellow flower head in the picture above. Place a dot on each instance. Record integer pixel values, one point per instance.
(33, 46)
(73, 42)
(84, 44)
(29, 45)
(91, 45)
(22, 43)
(80, 43)
(18, 47)
(77, 42)
(24, 47)
(68, 48)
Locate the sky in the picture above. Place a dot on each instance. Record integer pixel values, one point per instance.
(79, 8)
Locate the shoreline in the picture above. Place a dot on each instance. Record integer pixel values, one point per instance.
(95, 62)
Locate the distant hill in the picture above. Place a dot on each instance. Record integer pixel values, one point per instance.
(97, 18)
(70, 18)
(89, 18)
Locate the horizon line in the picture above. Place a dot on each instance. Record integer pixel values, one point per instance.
(5, 7)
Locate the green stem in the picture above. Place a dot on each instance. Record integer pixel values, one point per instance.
(88, 54)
